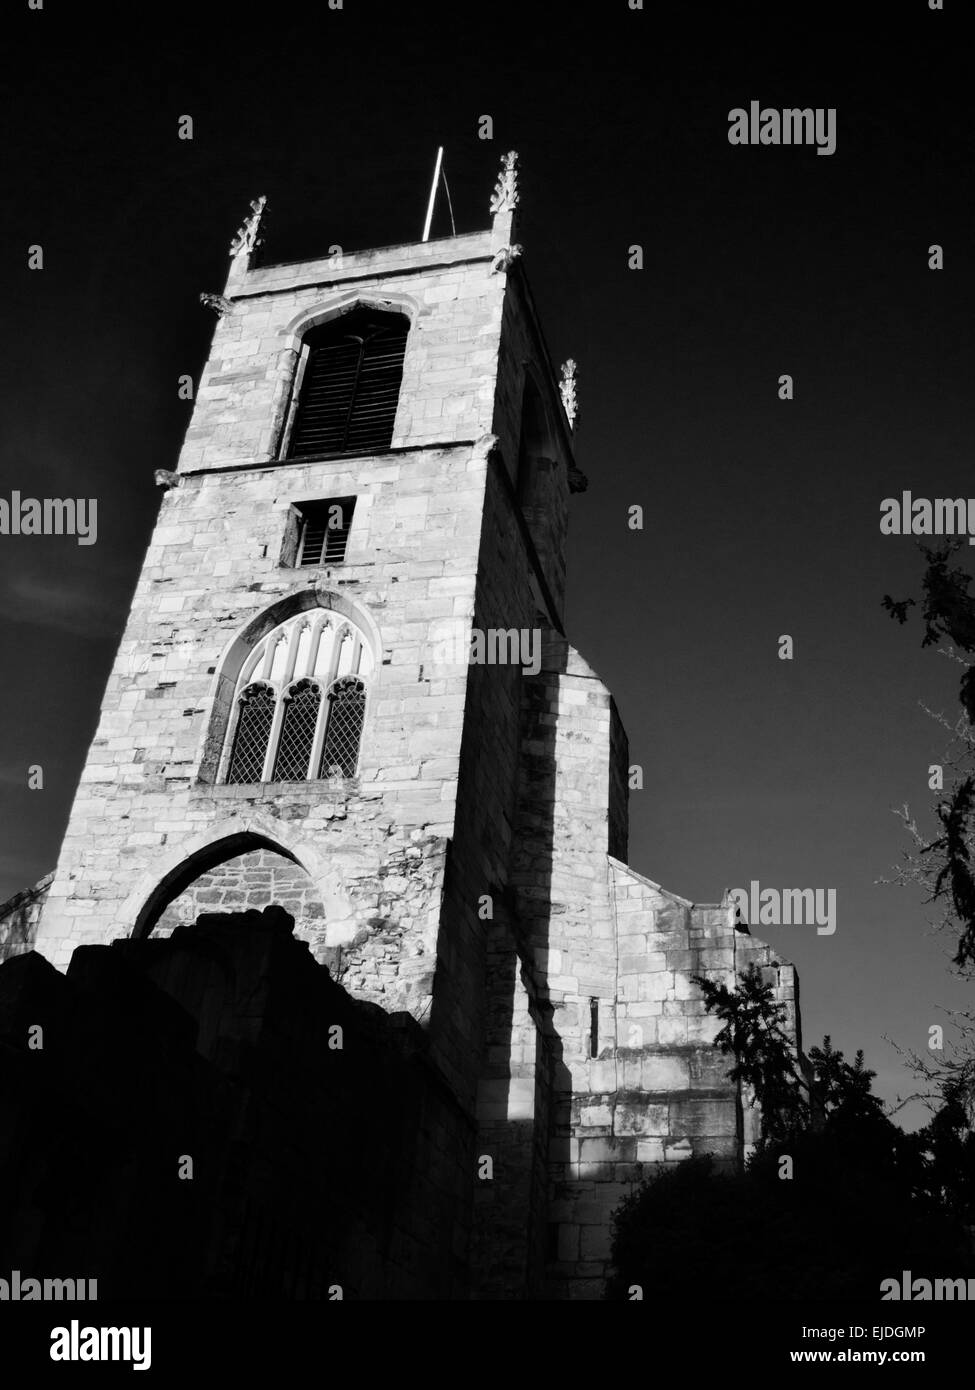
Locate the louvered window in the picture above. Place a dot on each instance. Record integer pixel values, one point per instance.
(349, 386)
(324, 531)
(301, 701)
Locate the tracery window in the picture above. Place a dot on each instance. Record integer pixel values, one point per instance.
(300, 702)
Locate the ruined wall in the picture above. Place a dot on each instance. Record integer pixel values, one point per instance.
(19, 917)
(314, 1165)
(636, 1081)
(658, 1091)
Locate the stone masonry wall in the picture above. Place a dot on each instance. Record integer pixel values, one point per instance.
(513, 1087)
(658, 1090)
(612, 953)
(399, 924)
(254, 880)
(469, 874)
(214, 566)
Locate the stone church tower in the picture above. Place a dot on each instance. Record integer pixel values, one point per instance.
(375, 485)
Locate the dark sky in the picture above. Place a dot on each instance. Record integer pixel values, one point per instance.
(762, 516)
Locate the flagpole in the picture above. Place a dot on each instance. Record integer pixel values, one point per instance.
(433, 194)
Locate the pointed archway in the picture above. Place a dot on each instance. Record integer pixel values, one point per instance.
(240, 871)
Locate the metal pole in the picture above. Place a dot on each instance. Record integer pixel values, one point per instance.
(433, 194)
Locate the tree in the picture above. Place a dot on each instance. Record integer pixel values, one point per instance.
(753, 1032)
(942, 864)
(858, 1202)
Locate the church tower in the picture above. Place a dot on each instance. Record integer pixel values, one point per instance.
(345, 687)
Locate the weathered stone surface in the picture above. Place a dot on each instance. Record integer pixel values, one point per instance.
(471, 874)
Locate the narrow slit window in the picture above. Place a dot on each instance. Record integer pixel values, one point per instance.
(593, 1027)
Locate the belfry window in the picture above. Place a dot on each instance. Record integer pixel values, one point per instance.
(300, 702)
(347, 384)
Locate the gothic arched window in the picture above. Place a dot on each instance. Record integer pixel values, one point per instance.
(347, 384)
(300, 702)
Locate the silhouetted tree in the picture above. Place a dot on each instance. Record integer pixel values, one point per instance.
(942, 864)
(857, 1201)
(753, 1032)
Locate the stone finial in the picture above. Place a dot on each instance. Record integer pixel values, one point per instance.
(505, 257)
(567, 389)
(218, 303)
(505, 197)
(249, 236)
(165, 477)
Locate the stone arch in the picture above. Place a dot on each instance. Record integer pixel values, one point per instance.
(174, 867)
(184, 862)
(239, 646)
(250, 875)
(331, 307)
(335, 305)
(197, 863)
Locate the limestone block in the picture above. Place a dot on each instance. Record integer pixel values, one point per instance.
(639, 1117)
(665, 1072)
(650, 1151)
(595, 1116)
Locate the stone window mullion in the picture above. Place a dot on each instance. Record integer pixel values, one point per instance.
(275, 735)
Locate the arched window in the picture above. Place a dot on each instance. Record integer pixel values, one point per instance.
(300, 702)
(347, 384)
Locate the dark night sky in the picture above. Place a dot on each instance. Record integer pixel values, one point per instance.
(762, 517)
